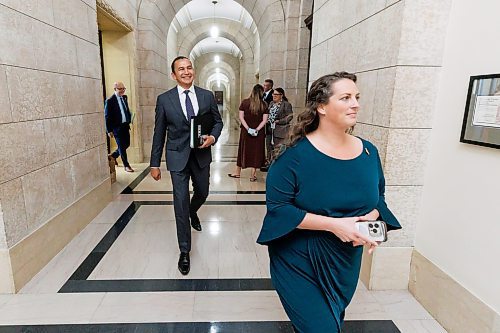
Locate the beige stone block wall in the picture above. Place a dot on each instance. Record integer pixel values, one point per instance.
(386, 268)
(51, 120)
(156, 45)
(385, 43)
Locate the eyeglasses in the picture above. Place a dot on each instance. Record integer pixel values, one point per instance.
(121, 88)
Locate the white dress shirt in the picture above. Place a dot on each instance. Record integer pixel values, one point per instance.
(192, 97)
(265, 95)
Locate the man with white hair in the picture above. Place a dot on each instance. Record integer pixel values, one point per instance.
(118, 119)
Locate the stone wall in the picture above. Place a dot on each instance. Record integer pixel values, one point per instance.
(51, 125)
(54, 174)
(156, 46)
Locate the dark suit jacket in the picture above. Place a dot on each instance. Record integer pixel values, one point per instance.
(283, 119)
(269, 97)
(113, 113)
(170, 121)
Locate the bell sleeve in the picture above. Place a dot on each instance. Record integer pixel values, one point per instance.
(282, 216)
(385, 213)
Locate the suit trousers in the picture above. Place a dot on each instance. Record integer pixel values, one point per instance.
(182, 207)
(122, 138)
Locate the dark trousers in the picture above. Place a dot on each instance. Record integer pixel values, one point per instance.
(122, 137)
(269, 147)
(182, 207)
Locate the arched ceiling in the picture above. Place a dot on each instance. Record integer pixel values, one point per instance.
(247, 42)
(211, 68)
(202, 9)
(218, 77)
(231, 18)
(215, 45)
(228, 66)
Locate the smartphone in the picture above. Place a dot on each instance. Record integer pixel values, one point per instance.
(376, 230)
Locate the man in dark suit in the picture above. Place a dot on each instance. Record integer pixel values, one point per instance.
(118, 119)
(268, 91)
(268, 98)
(173, 109)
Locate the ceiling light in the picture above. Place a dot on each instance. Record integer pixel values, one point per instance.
(214, 31)
(217, 59)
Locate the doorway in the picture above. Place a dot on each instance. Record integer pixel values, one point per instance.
(117, 45)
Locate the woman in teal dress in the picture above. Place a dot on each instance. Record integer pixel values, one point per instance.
(324, 181)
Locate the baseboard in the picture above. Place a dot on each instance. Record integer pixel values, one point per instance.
(35, 251)
(453, 306)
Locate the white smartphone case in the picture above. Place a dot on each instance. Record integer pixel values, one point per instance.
(376, 230)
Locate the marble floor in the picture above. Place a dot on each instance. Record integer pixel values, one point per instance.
(120, 273)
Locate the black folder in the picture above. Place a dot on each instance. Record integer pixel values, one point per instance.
(200, 125)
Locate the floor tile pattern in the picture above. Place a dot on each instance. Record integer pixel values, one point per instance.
(120, 273)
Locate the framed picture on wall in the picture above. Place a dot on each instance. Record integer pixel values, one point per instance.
(481, 125)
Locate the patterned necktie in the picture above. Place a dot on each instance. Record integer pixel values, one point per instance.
(123, 103)
(123, 109)
(189, 106)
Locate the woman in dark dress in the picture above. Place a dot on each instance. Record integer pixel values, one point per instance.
(253, 117)
(317, 189)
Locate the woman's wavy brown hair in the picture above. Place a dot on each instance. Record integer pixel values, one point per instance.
(257, 105)
(307, 121)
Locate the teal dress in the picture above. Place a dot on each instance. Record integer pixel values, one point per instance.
(315, 274)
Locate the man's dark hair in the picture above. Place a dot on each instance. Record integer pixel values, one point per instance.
(270, 81)
(172, 66)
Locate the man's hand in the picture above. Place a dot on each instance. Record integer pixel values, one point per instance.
(111, 134)
(156, 173)
(208, 140)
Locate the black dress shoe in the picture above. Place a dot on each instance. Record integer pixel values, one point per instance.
(184, 263)
(195, 222)
(264, 168)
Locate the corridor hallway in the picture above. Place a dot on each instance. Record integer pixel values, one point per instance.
(120, 273)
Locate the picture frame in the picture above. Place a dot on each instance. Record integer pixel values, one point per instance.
(481, 122)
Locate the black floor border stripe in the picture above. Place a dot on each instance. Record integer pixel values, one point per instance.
(156, 285)
(350, 326)
(78, 280)
(207, 203)
(210, 192)
(93, 259)
(129, 189)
